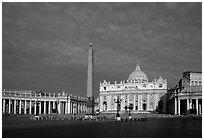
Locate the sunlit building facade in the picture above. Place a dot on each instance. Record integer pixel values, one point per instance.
(187, 96)
(137, 92)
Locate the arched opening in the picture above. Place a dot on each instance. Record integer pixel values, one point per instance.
(160, 106)
(104, 106)
(144, 106)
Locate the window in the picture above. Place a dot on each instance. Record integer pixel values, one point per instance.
(126, 97)
(136, 107)
(199, 82)
(196, 82)
(160, 85)
(104, 97)
(131, 97)
(104, 88)
(192, 82)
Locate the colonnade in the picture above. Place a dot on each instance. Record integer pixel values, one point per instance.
(19, 103)
(183, 105)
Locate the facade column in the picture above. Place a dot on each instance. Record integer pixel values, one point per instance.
(20, 106)
(155, 100)
(49, 107)
(81, 108)
(71, 108)
(139, 102)
(25, 107)
(40, 106)
(134, 101)
(9, 106)
(178, 106)
(197, 106)
(14, 108)
(59, 107)
(30, 108)
(84, 108)
(147, 101)
(78, 106)
(128, 99)
(74, 108)
(44, 107)
(4, 102)
(175, 109)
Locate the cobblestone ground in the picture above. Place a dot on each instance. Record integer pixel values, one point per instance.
(156, 126)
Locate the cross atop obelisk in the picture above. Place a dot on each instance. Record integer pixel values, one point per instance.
(90, 82)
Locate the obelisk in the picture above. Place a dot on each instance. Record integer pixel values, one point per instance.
(90, 82)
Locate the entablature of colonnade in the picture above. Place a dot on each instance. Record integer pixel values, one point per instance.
(184, 95)
(41, 97)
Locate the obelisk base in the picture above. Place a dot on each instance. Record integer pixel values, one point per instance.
(90, 106)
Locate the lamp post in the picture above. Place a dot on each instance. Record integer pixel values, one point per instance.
(118, 101)
(130, 108)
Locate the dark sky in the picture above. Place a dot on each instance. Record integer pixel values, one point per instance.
(45, 45)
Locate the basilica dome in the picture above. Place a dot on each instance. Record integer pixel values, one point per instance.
(138, 75)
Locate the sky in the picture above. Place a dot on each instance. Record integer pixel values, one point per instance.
(45, 45)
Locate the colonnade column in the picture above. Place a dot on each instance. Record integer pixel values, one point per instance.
(19, 106)
(197, 106)
(49, 109)
(40, 112)
(59, 107)
(44, 107)
(14, 111)
(25, 107)
(35, 108)
(9, 106)
(175, 107)
(178, 106)
(30, 108)
(188, 106)
(71, 111)
(4, 105)
(68, 107)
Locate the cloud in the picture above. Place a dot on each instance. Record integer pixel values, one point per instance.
(53, 39)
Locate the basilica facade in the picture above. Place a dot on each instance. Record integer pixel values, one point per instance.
(138, 94)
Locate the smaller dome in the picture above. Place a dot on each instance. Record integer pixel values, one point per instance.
(138, 75)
